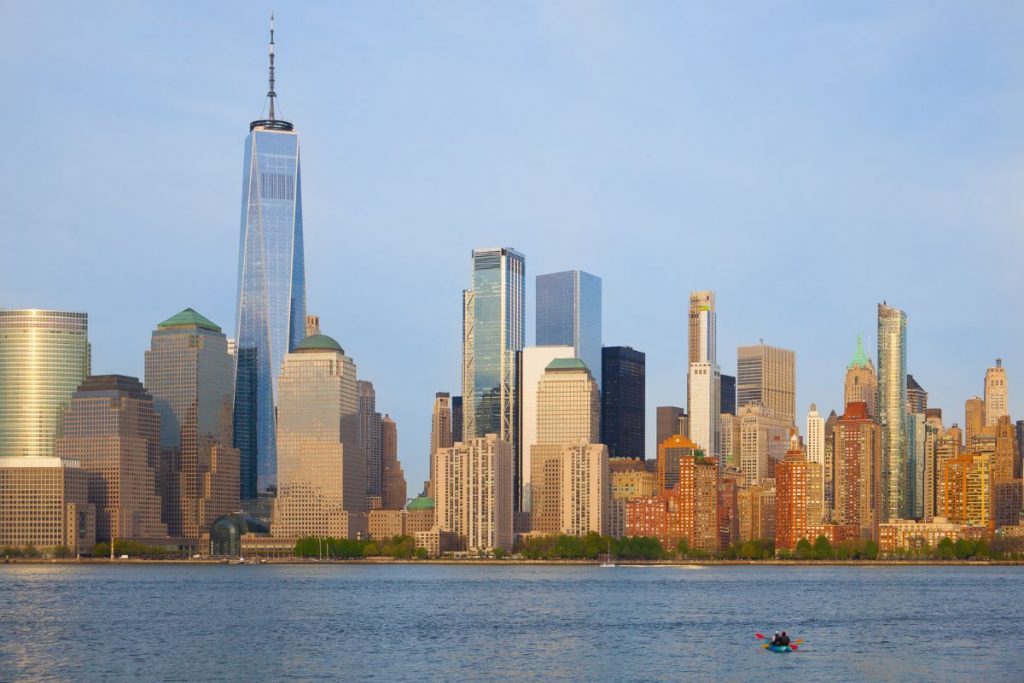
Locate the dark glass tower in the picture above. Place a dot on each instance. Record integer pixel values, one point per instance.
(728, 395)
(622, 401)
(271, 287)
(569, 314)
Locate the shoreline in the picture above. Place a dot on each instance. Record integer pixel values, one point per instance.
(524, 563)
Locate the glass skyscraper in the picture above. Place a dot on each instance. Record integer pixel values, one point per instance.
(569, 314)
(44, 356)
(623, 401)
(892, 407)
(271, 288)
(494, 321)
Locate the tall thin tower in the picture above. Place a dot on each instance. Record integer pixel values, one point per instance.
(703, 379)
(891, 406)
(271, 286)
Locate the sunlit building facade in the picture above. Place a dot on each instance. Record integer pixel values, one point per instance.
(892, 410)
(996, 399)
(44, 503)
(568, 313)
(767, 375)
(861, 383)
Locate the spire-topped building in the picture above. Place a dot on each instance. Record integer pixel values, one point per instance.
(271, 286)
(861, 382)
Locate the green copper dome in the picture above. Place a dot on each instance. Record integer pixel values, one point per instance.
(567, 364)
(421, 503)
(189, 318)
(319, 342)
(860, 359)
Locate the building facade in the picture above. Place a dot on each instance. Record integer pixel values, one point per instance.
(861, 383)
(569, 314)
(393, 486)
(533, 362)
(474, 493)
(623, 401)
(996, 400)
(764, 439)
(441, 433)
(892, 407)
(767, 375)
(44, 357)
(858, 471)
(271, 305)
(44, 503)
(369, 436)
(703, 379)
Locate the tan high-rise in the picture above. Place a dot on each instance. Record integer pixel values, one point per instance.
(584, 489)
(44, 503)
(861, 383)
(858, 471)
(974, 419)
(320, 460)
(1007, 491)
(474, 492)
(190, 375)
(393, 488)
(767, 375)
(764, 439)
(441, 435)
(996, 400)
(110, 427)
(968, 490)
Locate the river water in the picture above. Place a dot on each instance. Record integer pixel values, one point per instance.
(518, 623)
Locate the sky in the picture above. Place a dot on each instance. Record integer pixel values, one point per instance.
(803, 160)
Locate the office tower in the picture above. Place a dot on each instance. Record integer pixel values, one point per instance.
(44, 356)
(322, 479)
(44, 503)
(568, 413)
(729, 428)
(369, 436)
(393, 489)
(189, 374)
(668, 422)
(767, 374)
(1006, 488)
(996, 402)
(764, 439)
(861, 383)
(569, 314)
(457, 431)
(916, 444)
(111, 429)
(932, 433)
(703, 380)
(974, 419)
(533, 363)
(493, 326)
(623, 401)
(271, 305)
(474, 492)
(728, 394)
(917, 397)
(670, 452)
(585, 489)
(968, 490)
(892, 406)
(815, 436)
(830, 463)
(858, 473)
(793, 483)
(441, 433)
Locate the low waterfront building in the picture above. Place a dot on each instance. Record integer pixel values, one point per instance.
(901, 534)
(44, 503)
(386, 524)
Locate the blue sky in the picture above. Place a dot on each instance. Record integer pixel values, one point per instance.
(804, 160)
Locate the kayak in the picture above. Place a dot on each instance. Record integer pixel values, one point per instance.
(779, 648)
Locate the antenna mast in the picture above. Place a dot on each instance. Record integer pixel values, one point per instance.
(271, 95)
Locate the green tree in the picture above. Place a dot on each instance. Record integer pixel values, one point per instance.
(499, 554)
(804, 550)
(945, 549)
(823, 548)
(371, 550)
(683, 548)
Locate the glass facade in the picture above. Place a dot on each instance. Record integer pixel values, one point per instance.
(271, 294)
(891, 406)
(623, 401)
(44, 356)
(569, 314)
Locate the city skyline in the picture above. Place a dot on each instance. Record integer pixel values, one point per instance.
(945, 356)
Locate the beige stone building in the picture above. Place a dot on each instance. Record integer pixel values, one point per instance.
(729, 428)
(904, 533)
(320, 462)
(585, 489)
(111, 429)
(43, 503)
(441, 435)
(420, 515)
(861, 383)
(474, 492)
(386, 524)
(996, 401)
(756, 511)
(974, 419)
(767, 375)
(764, 439)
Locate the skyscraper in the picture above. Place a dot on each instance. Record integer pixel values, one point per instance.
(623, 401)
(861, 383)
(442, 434)
(569, 314)
(534, 360)
(767, 374)
(892, 407)
(493, 324)
(917, 397)
(815, 436)
(858, 477)
(667, 421)
(474, 492)
(703, 395)
(271, 287)
(974, 419)
(322, 488)
(189, 373)
(369, 437)
(110, 427)
(728, 394)
(44, 356)
(393, 489)
(996, 401)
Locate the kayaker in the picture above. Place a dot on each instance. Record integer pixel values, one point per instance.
(783, 639)
(777, 640)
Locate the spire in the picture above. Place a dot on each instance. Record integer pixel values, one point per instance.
(860, 359)
(271, 95)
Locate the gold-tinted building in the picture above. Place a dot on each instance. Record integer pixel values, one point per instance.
(320, 465)
(474, 492)
(44, 356)
(996, 400)
(858, 471)
(441, 434)
(861, 383)
(968, 490)
(44, 503)
(670, 452)
(756, 511)
(974, 419)
(111, 429)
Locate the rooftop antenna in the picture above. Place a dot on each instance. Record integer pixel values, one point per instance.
(271, 95)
